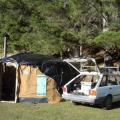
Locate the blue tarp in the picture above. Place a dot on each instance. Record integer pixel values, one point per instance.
(27, 58)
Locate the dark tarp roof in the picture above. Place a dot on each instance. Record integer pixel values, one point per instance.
(26, 58)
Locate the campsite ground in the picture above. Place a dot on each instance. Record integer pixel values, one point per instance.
(61, 111)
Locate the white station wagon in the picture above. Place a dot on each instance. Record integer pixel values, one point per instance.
(94, 87)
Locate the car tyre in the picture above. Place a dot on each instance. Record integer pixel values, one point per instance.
(75, 103)
(108, 103)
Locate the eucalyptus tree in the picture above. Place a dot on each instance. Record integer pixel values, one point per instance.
(50, 26)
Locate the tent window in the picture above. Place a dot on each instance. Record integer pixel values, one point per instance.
(41, 85)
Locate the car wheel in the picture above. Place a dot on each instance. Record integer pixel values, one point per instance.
(75, 103)
(108, 103)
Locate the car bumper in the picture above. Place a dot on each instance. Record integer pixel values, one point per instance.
(82, 98)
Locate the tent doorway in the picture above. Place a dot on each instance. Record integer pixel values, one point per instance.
(8, 84)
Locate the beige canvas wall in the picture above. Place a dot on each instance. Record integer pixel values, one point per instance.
(52, 94)
(27, 82)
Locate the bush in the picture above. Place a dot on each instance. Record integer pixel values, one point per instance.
(108, 40)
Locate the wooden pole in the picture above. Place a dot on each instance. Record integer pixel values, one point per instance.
(61, 54)
(5, 47)
(16, 84)
(81, 50)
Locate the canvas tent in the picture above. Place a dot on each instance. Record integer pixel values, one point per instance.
(21, 80)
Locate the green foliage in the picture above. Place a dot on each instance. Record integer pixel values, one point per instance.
(30, 25)
(108, 40)
(69, 36)
(41, 25)
(115, 27)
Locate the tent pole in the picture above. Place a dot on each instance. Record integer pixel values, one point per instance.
(16, 85)
(1, 72)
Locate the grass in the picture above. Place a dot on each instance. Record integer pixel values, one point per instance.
(61, 111)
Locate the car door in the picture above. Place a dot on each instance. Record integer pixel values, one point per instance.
(104, 89)
(115, 87)
(118, 88)
(67, 73)
(109, 85)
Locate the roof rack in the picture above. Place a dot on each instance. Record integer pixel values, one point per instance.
(112, 70)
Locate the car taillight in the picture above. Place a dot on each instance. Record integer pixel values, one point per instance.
(92, 92)
(64, 89)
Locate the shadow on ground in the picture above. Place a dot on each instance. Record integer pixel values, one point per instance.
(114, 106)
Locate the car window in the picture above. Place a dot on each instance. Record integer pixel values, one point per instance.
(65, 68)
(112, 80)
(117, 79)
(108, 80)
(74, 72)
(104, 81)
(69, 70)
